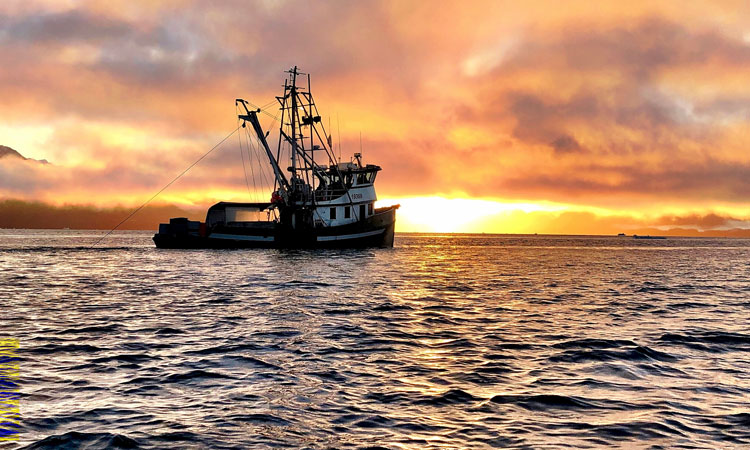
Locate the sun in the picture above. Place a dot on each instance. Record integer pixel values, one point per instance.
(460, 215)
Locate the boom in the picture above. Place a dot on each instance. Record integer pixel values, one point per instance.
(252, 117)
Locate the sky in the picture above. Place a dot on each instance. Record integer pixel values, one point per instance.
(506, 117)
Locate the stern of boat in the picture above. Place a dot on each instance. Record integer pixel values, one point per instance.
(180, 233)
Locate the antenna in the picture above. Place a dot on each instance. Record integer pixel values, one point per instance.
(338, 128)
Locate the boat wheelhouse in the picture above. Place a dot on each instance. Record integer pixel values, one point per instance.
(322, 203)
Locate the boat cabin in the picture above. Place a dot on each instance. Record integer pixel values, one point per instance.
(336, 181)
(239, 214)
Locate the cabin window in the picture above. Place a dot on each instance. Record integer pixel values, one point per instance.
(361, 178)
(347, 212)
(333, 213)
(361, 212)
(369, 209)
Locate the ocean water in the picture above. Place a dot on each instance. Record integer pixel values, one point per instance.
(441, 342)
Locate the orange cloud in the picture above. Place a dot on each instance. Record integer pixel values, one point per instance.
(628, 108)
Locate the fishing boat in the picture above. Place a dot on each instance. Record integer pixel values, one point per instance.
(321, 203)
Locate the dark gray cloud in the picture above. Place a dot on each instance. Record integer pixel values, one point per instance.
(566, 144)
(600, 184)
(636, 49)
(706, 221)
(608, 81)
(166, 71)
(59, 28)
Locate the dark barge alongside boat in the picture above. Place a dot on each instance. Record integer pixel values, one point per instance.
(318, 206)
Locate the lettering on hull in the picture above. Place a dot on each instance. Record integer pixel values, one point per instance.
(342, 237)
(240, 237)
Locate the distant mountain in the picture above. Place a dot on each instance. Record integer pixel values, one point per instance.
(7, 151)
(10, 153)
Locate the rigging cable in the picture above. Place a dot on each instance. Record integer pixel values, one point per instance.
(164, 188)
(257, 152)
(252, 171)
(242, 156)
(269, 104)
(263, 110)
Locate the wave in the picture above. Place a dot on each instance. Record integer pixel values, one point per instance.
(125, 358)
(544, 402)
(450, 397)
(222, 349)
(91, 329)
(75, 439)
(196, 375)
(252, 361)
(595, 343)
(638, 353)
(709, 340)
(51, 349)
(266, 419)
(300, 284)
(374, 421)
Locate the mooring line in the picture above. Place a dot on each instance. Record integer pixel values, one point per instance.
(164, 188)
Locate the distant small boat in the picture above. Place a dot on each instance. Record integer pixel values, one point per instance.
(635, 236)
(621, 234)
(318, 205)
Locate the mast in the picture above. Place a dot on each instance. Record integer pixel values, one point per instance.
(294, 118)
(298, 110)
(281, 121)
(312, 128)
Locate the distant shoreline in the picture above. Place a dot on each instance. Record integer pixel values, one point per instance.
(426, 233)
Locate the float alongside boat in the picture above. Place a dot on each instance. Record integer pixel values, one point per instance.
(317, 206)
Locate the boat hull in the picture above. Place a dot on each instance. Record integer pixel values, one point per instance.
(375, 231)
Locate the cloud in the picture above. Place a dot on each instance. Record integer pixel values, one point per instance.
(566, 144)
(607, 103)
(219, 176)
(610, 85)
(710, 221)
(63, 27)
(608, 186)
(605, 108)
